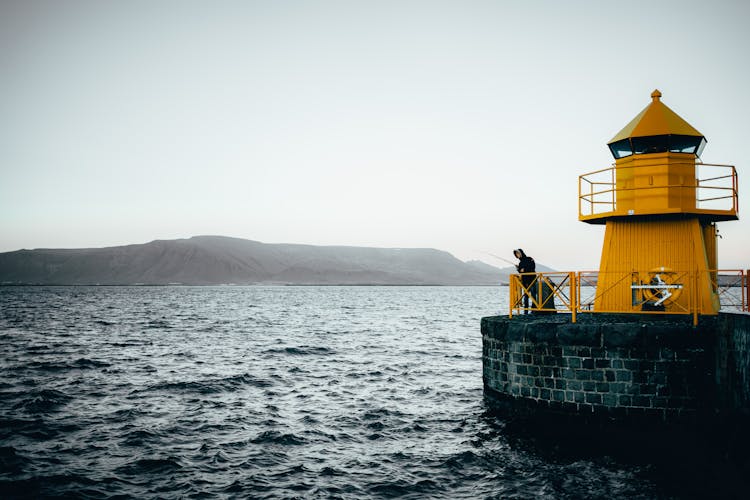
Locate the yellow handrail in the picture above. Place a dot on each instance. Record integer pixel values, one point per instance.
(562, 292)
(590, 198)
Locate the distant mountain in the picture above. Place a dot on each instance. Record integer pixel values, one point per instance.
(212, 260)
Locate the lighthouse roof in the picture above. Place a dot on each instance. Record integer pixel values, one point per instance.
(656, 119)
(657, 129)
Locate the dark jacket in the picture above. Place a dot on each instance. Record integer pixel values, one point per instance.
(526, 264)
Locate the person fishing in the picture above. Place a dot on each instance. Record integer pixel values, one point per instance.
(525, 266)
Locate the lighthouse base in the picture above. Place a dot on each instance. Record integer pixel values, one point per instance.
(679, 249)
(620, 368)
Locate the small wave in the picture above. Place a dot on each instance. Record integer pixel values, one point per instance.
(401, 488)
(462, 459)
(60, 366)
(43, 401)
(11, 461)
(149, 466)
(248, 485)
(237, 445)
(414, 427)
(247, 379)
(158, 324)
(390, 489)
(132, 343)
(291, 471)
(125, 415)
(37, 348)
(330, 471)
(320, 435)
(90, 363)
(302, 351)
(47, 486)
(219, 458)
(212, 386)
(211, 428)
(380, 413)
(377, 426)
(343, 491)
(276, 437)
(13, 426)
(139, 437)
(47, 366)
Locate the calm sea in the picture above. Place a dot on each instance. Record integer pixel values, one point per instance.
(269, 392)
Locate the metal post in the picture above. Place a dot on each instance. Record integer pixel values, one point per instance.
(695, 299)
(573, 296)
(539, 290)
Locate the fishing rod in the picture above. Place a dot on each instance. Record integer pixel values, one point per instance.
(501, 258)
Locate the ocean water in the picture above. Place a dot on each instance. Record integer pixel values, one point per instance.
(270, 392)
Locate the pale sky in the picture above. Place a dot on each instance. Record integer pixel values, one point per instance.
(458, 125)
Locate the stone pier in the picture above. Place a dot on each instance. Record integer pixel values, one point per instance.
(632, 368)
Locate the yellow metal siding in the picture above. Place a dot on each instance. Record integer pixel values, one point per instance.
(641, 245)
(709, 239)
(654, 183)
(712, 255)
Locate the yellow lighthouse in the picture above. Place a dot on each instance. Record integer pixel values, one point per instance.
(659, 203)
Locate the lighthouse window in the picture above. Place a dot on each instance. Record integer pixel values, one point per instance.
(701, 146)
(620, 149)
(685, 144)
(651, 144)
(658, 144)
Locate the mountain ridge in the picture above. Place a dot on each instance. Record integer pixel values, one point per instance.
(216, 260)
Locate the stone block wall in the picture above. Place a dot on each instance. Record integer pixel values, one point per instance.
(733, 362)
(618, 367)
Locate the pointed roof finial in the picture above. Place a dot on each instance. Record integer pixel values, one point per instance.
(656, 119)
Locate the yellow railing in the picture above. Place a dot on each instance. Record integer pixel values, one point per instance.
(715, 188)
(732, 287)
(583, 292)
(543, 293)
